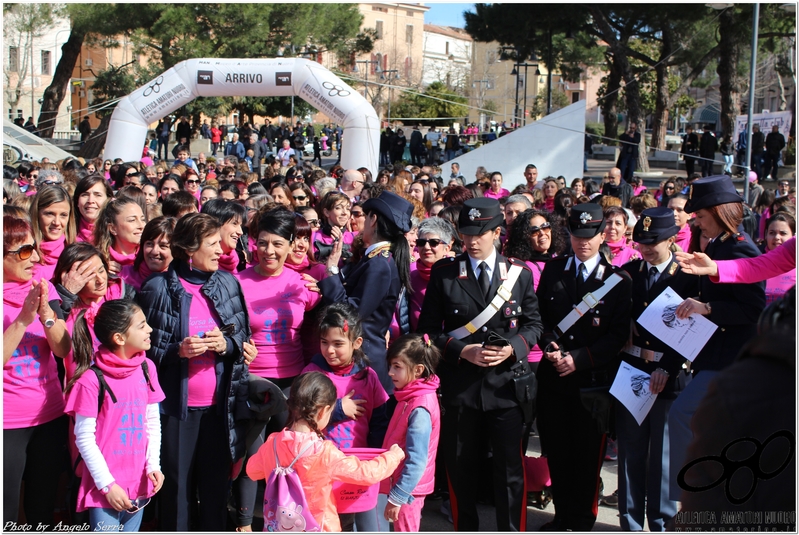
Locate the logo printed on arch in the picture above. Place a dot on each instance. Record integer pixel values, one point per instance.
(282, 78)
(205, 77)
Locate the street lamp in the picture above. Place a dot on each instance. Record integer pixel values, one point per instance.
(480, 95)
(537, 73)
(366, 73)
(386, 75)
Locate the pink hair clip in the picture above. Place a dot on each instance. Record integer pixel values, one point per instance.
(346, 326)
(427, 340)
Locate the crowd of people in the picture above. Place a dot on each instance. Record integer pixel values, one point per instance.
(146, 304)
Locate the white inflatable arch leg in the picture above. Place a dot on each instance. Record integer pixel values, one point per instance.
(278, 77)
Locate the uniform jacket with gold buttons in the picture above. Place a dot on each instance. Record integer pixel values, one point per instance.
(452, 300)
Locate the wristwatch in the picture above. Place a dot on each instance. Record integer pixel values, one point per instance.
(105, 490)
(707, 307)
(49, 322)
(333, 270)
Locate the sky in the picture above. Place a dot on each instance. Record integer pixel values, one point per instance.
(446, 14)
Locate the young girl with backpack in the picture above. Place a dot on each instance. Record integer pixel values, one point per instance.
(414, 426)
(114, 401)
(359, 418)
(316, 462)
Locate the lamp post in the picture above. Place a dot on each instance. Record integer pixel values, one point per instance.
(515, 72)
(537, 73)
(386, 75)
(366, 73)
(480, 95)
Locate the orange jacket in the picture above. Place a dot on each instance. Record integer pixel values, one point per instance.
(322, 464)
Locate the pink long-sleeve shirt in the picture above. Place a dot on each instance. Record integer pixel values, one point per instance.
(760, 268)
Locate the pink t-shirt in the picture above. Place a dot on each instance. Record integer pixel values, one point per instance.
(31, 391)
(354, 433)
(491, 195)
(202, 369)
(277, 306)
(777, 286)
(121, 431)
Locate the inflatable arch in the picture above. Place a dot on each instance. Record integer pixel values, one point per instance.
(276, 77)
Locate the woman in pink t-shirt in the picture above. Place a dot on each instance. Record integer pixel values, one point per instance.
(154, 255)
(91, 194)
(53, 225)
(616, 238)
(117, 233)
(119, 438)
(34, 431)
(780, 228)
(496, 191)
(277, 302)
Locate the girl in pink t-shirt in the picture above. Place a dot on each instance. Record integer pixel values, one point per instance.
(117, 426)
(359, 419)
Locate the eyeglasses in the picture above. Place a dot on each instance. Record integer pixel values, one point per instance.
(159, 173)
(536, 230)
(192, 181)
(34, 177)
(50, 182)
(138, 504)
(669, 187)
(356, 214)
(300, 197)
(434, 242)
(313, 222)
(25, 251)
(132, 174)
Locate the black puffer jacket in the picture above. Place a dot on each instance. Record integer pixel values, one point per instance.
(166, 305)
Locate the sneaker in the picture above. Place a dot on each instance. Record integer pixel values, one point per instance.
(612, 451)
(611, 500)
(446, 510)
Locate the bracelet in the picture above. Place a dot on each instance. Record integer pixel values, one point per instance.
(707, 307)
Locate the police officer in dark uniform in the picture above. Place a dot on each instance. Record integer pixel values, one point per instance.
(481, 311)
(585, 304)
(735, 308)
(644, 448)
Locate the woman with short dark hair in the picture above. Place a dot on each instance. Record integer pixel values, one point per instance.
(231, 216)
(199, 342)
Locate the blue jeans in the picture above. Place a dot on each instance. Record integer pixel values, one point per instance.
(113, 520)
(728, 163)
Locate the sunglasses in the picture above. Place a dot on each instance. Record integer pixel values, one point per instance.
(138, 504)
(536, 230)
(356, 214)
(192, 181)
(131, 174)
(669, 187)
(51, 182)
(34, 176)
(24, 252)
(300, 197)
(434, 242)
(313, 222)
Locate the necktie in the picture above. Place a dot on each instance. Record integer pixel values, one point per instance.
(483, 280)
(653, 277)
(583, 273)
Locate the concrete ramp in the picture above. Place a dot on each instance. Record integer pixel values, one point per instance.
(554, 144)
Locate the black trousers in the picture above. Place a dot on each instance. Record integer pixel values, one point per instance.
(689, 164)
(195, 459)
(36, 455)
(574, 450)
(461, 430)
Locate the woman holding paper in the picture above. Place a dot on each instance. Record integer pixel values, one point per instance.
(735, 308)
(644, 447)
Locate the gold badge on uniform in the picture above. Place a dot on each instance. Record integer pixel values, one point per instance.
(503, 271)
(462, 273)
(647, 222)
(673, 268)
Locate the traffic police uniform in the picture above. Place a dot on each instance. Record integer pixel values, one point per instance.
(644, 449)
(570, 437)
(481, 401)
(735, 308)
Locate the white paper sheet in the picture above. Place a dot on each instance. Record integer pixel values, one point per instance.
(687, 336)
(631, 388)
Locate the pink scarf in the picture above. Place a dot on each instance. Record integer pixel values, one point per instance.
(424, 271)
(416, 388)
(135, 277)
(115, 366)
(122, 259)
(228, 261)
(86, 232)
(15, 292)
(616, 247)
(51, 250)
(299, 268)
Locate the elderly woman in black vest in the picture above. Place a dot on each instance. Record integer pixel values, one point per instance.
(199, 343)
